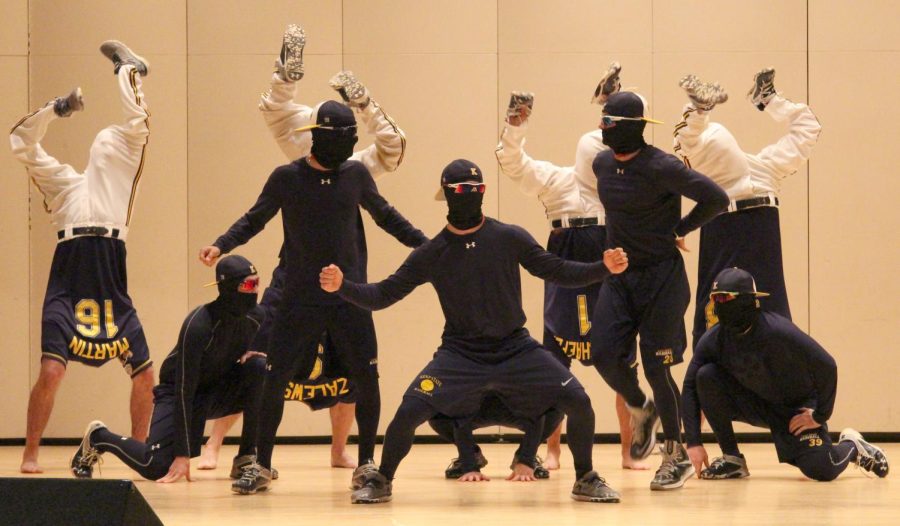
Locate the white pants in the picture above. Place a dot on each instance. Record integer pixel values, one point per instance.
(713, 151)
(283, 116)
(104, 194)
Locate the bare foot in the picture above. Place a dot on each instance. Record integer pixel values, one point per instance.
(30, 467)
(630, 463)
(552, 460)
(209, 459)
(342, 459)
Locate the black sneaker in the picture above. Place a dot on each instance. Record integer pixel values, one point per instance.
(592, 488)
(535, 463)
(726, 467)
(763, 88)
(374, 488)
(120, 56)
(87, 456)
(456, 469)
(868, 457)
(644, 422)
(359, 474)
(64, 106)
(254, 478)
(675, 469)
(292, 44)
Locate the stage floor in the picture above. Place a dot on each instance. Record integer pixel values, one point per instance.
(310, 492)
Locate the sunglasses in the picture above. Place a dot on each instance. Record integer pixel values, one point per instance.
(722, 297)
(609, 121)
(466, 188)
(249, 285)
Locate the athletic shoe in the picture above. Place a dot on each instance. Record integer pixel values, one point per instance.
(351, 90)
(87, 456)
(292, 44)
(519, 100)
(253, 478)
(359, 474)
(120, 55)
(726, 467)
(644, 422)
(374, 488)
(456, 469)
(535, 463)
(703, 95)
(868, 457)
(763, 88)
(608, 84)
(675, 469)
(592, 488)
(64, 106)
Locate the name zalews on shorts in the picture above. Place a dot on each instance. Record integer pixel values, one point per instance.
(301, 392)
(427, 384)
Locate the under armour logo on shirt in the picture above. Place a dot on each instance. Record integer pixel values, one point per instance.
(620, 171)
(470, 245)
(325, 181)
(154, 447)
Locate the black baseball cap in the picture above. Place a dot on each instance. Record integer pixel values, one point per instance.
(735, 281)
(459, 171)
(231, 267)
(334, 116)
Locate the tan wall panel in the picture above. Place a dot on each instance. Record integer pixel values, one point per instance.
(420, 26)
(14, 246)
(863, 25)
(14, 28)
(156, 242)
(580, 26)
(78, 28)
(729, 25)
(853, 233)
(240, 28)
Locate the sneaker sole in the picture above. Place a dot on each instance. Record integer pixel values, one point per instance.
(241, 491)
(378, 500)
(675, 485)
(131, 53)
(585, 498)
(294, 42)
(650, 445)
(733, 476)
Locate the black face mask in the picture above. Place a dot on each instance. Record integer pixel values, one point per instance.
(738, 314)
(625, 136)
(233, 302)
(465, 209)
(330, 149)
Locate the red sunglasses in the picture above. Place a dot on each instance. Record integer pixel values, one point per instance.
(466, 188)
(722, 297)
(249, 285)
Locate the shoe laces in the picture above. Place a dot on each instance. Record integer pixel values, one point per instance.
(453, 463)
(250, 473)
(90, 458)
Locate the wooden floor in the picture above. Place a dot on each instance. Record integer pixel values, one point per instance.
(310, 493)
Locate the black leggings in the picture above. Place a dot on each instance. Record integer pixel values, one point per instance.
(445, 428)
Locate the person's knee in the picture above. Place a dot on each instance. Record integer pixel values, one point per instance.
(255, 366)
(707, 374)
(144, 380)
(819, 471)
(412, 412)
(52, 374)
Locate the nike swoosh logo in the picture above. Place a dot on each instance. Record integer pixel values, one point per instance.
(567, 381)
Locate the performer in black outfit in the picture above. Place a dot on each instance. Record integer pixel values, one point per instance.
(758, 367)
(640, 187)
(473, 265)
(209, 374)
(319, 198)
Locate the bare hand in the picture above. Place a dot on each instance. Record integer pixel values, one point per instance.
(681, 244)
(331, 278)
(616, 260)
(474, 476)
(209, 255)
(803, 422)
(521, 473)
(250, 354)
(181, 467)
(698, 457)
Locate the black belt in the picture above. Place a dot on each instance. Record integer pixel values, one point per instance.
(575, 222)
(90, 231)
(754, 202)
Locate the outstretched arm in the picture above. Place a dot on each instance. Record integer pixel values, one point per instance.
(376, 296)
(711, 199)
(787, 155)
(388, 218)
(551, 267)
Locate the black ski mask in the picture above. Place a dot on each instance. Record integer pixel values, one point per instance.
(738, 314)
(334, 135)
(238, 285)
(462, 186)
(624, 136)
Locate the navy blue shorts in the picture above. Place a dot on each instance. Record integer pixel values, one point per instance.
(88, 316)
(751, 240)
(528, 380)
(568, 311)
(329, 383)
(647, 301)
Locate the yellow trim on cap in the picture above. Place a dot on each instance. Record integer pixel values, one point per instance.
(308, 127)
